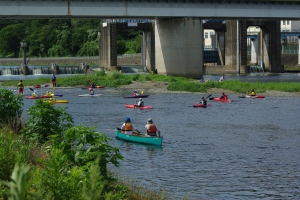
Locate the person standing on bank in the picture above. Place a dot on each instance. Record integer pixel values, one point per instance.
(20, 87)
(54, 80)
(152, 129)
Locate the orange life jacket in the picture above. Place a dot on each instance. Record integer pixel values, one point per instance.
(152, 129)
(128, 127)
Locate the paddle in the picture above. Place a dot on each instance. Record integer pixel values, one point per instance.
(208, 96)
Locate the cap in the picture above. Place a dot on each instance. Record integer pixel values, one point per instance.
(150, 121)
(127, 119)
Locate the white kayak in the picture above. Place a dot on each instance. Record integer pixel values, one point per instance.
(89, 95)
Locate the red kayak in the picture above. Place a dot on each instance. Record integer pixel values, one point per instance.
(257, 96)
(138, 107)
(32, 97)
(39, 86)
(199, 105)
(222, 100)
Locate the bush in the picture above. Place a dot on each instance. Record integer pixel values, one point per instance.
(45, 120)
(10, 110)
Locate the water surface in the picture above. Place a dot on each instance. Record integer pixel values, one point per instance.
(246, 149)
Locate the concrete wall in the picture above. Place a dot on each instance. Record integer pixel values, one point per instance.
(179, 47)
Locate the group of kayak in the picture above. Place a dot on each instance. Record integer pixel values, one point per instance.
(139, 103)
(224, 98)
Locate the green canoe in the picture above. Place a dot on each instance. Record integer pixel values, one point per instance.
(139, 138)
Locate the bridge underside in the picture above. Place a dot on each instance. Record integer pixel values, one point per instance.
(174, 46)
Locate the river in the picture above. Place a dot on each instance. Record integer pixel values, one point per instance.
(246, 149)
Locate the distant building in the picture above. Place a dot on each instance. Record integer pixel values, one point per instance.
(286, 26)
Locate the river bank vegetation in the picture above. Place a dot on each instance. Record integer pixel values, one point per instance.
(115, 79)
(48, 157)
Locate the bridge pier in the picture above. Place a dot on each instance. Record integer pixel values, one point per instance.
(179, 47)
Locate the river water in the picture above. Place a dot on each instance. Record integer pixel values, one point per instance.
(246, 149)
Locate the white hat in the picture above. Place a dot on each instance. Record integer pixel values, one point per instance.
(150, 121)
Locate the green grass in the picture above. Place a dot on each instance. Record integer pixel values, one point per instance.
(116, 79)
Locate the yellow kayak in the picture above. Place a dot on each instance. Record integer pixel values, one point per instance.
(57, 101)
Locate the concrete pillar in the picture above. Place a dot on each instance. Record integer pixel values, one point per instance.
(220, 44)
(254, 51)
(55, 68)
(179, 47)
(147, 50)
(108, 46)
(231, 53)
(270, 46)
(298, 50)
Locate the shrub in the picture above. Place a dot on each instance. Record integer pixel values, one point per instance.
(45, 120)
(10, 110)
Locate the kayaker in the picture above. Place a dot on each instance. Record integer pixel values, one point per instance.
(135, 93)
(221, 79)
(91, 91)
(224, 96)
(20, 87)
(49, 94)
(203, 101)
(252, 92)
(127, 127)
(140, 102)
(33, 94)
(54, 80)
(152, 129)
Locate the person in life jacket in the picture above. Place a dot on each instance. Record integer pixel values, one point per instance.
(252, 93)
(20, 87)
(152, 129)
(224, 96)
(49, 94)
(203, 101)
(91, 91)
(33, 94)
(127, 127)
(135, 93)
(54, 80)
(140, 102)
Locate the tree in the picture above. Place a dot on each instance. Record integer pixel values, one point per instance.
(10, 38)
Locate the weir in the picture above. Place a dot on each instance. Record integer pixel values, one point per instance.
(15, 70)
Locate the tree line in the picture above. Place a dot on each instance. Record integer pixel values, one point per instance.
(60, 38)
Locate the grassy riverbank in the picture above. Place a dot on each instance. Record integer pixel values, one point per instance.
(116, 79)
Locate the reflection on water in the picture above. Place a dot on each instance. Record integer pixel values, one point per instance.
(246, 149)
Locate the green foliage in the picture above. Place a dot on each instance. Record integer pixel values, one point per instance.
(12, 151)
(10, 38)
(135, 77)
(18, 184)
(101, 72)
(83, 145)
(45, 120)
(10, 109)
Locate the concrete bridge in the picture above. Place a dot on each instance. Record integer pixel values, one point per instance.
(173, 42)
